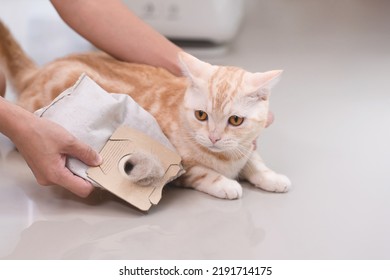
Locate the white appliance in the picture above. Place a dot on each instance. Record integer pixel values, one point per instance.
(215, 21)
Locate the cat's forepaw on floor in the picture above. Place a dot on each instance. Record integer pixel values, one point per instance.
(228, 189)
(224, 188)
(271, 181)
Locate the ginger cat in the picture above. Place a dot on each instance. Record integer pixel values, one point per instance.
(213, 115)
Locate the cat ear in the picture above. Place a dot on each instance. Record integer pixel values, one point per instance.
(192, 67)
(264, 80)
(259, 84)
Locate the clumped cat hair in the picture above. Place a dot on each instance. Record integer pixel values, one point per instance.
(142, 168)
(213, 115)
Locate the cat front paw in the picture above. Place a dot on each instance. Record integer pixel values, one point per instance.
(228, 189)
(271, 181)
(223, 188)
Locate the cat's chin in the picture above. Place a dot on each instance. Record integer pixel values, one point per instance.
(211, 148)
(215, 149)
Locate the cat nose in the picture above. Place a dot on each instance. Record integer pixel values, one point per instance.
(214, 138)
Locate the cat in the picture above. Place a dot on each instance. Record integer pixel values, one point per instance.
(213, 115)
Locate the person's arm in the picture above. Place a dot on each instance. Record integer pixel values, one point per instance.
(45, 145)
(2, 85)
(112, 27)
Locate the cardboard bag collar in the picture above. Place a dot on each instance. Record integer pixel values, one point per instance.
(123, 143)
(100, 119)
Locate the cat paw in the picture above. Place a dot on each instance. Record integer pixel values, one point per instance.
(223, 188)
(271, 181)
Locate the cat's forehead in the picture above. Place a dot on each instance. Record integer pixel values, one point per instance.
(222, 91)
(224, 86)
(226, 77)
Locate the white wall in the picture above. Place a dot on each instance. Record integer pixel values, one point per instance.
(40, 31)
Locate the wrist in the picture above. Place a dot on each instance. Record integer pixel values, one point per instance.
(15, 121)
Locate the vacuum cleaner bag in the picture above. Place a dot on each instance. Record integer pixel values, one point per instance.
(117, 126)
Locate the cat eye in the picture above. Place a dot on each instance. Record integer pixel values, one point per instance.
(236, 120)
(201, 115)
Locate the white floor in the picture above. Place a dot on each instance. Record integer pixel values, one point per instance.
(331, 137)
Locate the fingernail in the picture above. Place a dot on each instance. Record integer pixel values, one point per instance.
(99, 159)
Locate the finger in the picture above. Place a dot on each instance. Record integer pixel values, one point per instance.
(270, 119)
(84, 153)
(74, 183)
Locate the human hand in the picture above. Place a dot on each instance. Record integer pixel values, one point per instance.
(45, 146)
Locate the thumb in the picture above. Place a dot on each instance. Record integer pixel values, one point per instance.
(84, 153)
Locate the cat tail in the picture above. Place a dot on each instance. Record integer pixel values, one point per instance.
(18, 67)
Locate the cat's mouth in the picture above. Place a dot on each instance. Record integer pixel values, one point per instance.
(212, 148)
(220, 146)
(215, 149)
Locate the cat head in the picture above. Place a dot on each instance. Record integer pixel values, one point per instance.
(225, 108)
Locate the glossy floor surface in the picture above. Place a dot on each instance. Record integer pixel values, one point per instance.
(331, 137)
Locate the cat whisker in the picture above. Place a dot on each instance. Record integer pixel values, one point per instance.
(243, 151)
